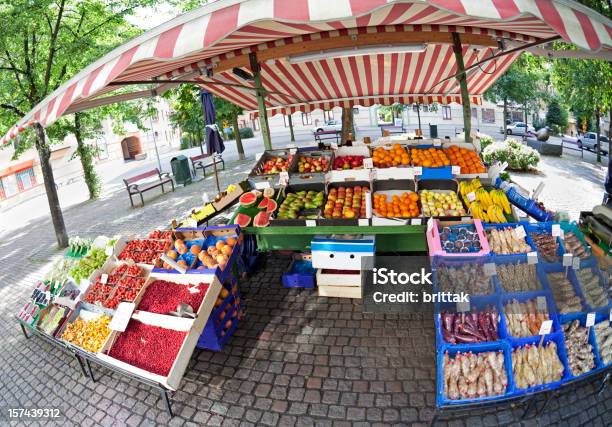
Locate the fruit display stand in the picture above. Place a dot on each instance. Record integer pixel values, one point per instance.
(310, 166)
(271, 163)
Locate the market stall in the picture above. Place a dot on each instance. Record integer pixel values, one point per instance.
(538, 314)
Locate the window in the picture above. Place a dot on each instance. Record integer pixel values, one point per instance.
(474, 112)
(25, 179)
(355, 111)
(425, 108)
(2, 193)
(415, 107)
(446, 112)
(488, 115)
(328, 115)
(286, 120)
(255, 124)
(306, 119)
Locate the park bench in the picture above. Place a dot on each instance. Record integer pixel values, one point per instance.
(389, 129)
(328, 134)
(204, 161)
(140, 183)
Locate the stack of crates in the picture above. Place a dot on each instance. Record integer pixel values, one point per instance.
(224, 319)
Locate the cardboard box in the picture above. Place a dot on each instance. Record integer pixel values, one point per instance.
(230, 198)
(331, 252)
(194, 327)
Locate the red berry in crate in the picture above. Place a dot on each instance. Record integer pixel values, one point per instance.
(134, 271)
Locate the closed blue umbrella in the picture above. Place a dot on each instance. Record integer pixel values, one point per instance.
(214, 142)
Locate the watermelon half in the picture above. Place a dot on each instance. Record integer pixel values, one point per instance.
(262, 219)
(268, 205)
(242, 220)
(247, 199)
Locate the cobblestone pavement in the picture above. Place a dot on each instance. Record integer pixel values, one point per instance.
(296, 359)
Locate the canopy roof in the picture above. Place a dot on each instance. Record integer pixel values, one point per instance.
(218, 36)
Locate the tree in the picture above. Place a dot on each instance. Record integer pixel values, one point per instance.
(556, 116)
(42, 43)
(226, 111)
(187, 114)
(519, 84)
(585, 85)
(347, 124)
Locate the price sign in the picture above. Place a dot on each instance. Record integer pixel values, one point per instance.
(567, 260)
(205, 198)
(311, 223)
(262, 185)
(283, 178)
(590, 320)
(465, 218)
(489, 269)
(364, 222)
(532, 258)
(437, 142)
(456, 170)
(108, 251)
(471, 196)
(368, 163)
(430, 224)
(415, 221)
(418, 170)
(122, 316)
(541, 303)
(546, 327)
(258, 156)
(576, 263)
(293, 151)
(334, 145)
(368, 204)
(463, 306)
(556, 230)
(519, 232)
(104, 279)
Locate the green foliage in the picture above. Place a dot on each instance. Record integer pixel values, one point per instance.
(185, 144)
(485, 141)
(245, 132)
(187, 112)
(518, 156)
(556, 116)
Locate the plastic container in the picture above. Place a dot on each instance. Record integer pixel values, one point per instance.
(435, 245)
(502, 260)
(521, 298)
(439, 262)
(591, 264)
(525, 204)
(593, 341)
(557, 338)
(572, 227)
(300, 273)
(571, 276)
(599, 318)
(505, 225)
(477, 303)
(546, 228)
(442, 400)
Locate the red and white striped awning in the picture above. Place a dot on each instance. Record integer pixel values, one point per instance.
(227, 28)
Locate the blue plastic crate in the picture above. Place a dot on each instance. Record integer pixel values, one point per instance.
(301, 274)
(444, 172)
(476, 302)
(573, 227)
(571, 276)
(557, 338)
(503, 346)
(593, 341)
(513, 225)
(515, 259)
(525, 204)
(591, 264)
(545, 228)
(601, 317)
(440, 261)
(525, 296)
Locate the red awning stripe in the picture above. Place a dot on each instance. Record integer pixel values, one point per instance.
(227, 27)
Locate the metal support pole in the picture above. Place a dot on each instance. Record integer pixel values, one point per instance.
(83, 371)
(461, 78)
(263, 117)
(155, 145)
(291, 127)
(25, 333)
(91, 375)
(166, 399)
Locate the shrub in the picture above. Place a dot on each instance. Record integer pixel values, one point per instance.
(518, 156)
(245, 132)
(485, 141)
(185, 143)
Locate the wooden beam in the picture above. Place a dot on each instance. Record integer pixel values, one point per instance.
(461, 78)
(263, 116)
(348, 41)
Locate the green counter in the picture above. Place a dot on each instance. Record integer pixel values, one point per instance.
(389, 238)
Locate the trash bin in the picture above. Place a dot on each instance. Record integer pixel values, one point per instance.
(433, 131)
(181, 170)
